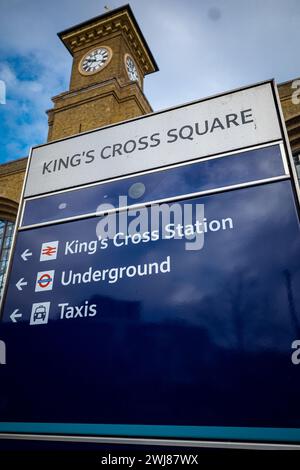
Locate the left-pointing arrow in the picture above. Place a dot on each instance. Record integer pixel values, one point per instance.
(15, 315)
(26, 254)
(21, 283)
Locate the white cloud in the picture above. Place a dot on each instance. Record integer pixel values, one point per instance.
(23, 116)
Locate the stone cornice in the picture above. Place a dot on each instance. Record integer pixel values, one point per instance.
(58, 99)
(111, 87)
(14, 166)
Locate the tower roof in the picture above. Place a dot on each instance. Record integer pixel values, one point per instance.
(121, 20)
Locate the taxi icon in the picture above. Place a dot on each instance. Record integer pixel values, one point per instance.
(40, 313)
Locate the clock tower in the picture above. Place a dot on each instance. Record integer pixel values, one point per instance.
(110, 60)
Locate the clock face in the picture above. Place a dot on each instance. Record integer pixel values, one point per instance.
(131, 69)
(95, 60)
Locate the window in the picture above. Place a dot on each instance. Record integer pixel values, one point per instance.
(6, 233)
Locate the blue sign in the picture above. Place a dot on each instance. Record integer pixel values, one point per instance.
(153, 290)
(140, 336)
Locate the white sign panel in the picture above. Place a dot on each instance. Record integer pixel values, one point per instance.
(236, 120)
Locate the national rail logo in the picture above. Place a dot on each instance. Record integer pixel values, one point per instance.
(49, 251)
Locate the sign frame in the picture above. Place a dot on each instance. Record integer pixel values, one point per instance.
(182, 442)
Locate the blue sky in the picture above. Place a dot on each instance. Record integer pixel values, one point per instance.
(202, 47)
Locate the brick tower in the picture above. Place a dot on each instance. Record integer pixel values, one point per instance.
(110, 59)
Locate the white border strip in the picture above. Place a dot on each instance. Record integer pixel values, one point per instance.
(157, 201)
(152, 442)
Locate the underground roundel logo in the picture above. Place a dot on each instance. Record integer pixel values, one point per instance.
(44, 280)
